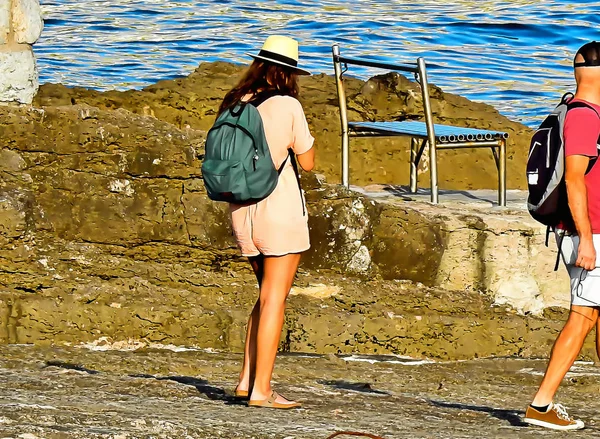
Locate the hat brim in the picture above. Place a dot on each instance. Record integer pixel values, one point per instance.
(296, 69)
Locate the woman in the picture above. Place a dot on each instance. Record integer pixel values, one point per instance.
(273, 232)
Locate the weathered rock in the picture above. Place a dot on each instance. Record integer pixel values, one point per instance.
(122, 174)
(340, 225)
(62, 293)
(408, 244)
(108, 390)
(18, 75)
(27, 21)
(4, 20)
(481, 249)
(21, 25)
(106, 230)
(193, 101)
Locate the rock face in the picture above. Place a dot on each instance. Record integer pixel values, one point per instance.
(4, 20)
(106, 231)
(193, 101)
(457, 246)
(27, 21)
(18, 76)
(21, 25)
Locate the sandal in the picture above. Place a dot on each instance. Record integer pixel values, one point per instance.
(272, 404)
(241, 394)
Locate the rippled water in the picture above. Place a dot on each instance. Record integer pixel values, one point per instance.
(515, 55)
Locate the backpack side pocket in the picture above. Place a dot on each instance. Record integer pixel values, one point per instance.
(225, 180)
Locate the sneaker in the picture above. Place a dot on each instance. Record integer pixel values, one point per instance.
(555, 418)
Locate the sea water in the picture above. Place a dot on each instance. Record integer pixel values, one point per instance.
(515, 55)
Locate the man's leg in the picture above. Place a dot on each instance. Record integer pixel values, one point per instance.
(598, 337)
(566, 349)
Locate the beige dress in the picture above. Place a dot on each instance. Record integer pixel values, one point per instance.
(277, 226)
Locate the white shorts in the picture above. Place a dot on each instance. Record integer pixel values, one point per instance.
(585, 285)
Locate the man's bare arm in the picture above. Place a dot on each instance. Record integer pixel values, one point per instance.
(576, 167)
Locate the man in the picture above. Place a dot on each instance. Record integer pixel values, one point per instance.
(581, 133)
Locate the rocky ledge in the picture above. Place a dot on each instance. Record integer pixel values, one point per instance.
(106, 231)
(192, 102)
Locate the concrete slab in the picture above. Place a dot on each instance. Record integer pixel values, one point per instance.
(482, 199)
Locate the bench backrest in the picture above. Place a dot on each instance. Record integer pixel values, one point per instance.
(419, 69)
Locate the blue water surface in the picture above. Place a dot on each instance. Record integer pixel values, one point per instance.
(515, 54)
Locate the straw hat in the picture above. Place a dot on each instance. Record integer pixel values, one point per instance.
(281, 50)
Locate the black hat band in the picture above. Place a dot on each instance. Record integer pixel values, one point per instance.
(277, 57)
(590, 63)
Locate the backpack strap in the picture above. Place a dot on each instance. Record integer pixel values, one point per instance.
(261, 97)
(292, 157)
(567, 97)
(237, 109)
(295, 166)
(560, 239)
(579, 104)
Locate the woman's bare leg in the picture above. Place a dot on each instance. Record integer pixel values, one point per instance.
(277, 280)
(247, 373)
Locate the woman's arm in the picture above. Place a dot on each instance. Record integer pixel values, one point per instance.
(307, 160)
(303, 140)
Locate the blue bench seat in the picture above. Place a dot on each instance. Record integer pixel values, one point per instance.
(443, 133)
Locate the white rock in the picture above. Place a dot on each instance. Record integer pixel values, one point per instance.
(317, 291)
(361, 261)
(4, 20)
(521, 292)
(121, 186)
(18, 76)
(27, 21)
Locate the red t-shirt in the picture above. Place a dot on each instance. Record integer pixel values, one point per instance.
(581, 133)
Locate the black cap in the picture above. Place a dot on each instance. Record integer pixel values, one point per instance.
(591, 55)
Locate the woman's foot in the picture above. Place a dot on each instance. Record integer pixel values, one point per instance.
(274, 401)
(241, 391)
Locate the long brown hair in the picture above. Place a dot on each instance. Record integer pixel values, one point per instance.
(262, 76)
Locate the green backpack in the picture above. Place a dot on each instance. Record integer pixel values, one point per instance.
(237, 166)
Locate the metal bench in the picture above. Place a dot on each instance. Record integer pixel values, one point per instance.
(422, 134)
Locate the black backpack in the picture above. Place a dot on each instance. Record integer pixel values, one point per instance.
(547, 201)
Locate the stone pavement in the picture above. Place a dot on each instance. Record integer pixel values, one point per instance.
(477, 199)
(155, 392)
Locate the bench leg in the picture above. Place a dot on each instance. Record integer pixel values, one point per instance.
(433, 171)
(345, 159)
(496, 157)
(414, 164)
(502, 174)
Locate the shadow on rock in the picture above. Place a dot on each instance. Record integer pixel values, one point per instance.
(203, 386)
(513, 417)
(70, 366)
(405, 193)
(355, 387)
